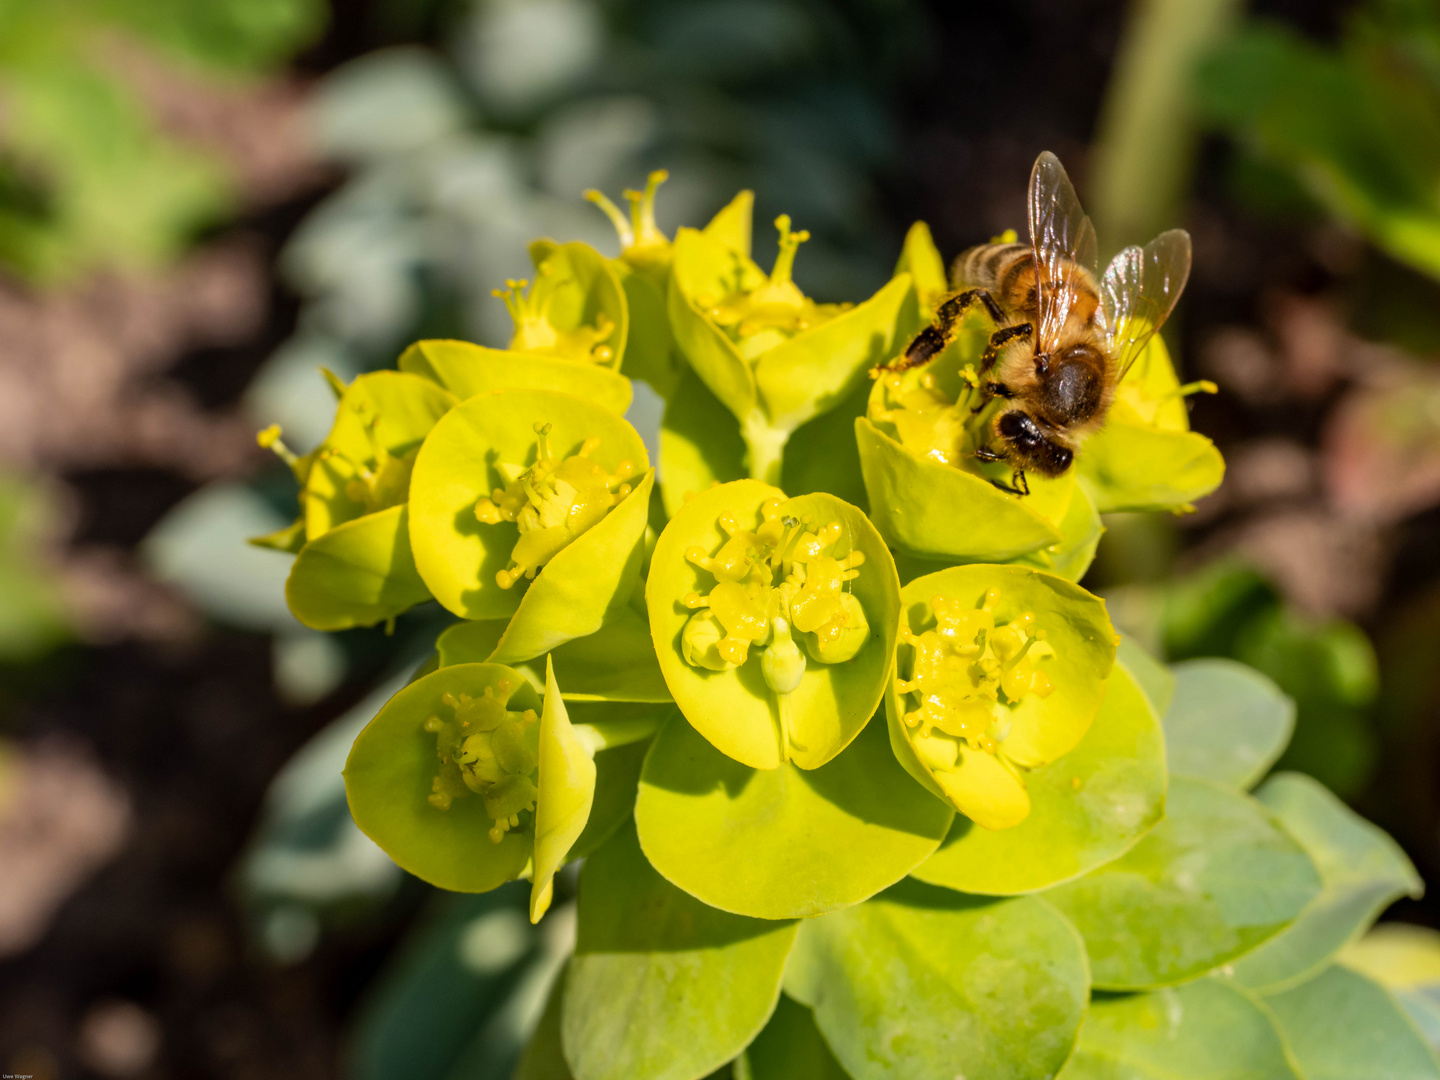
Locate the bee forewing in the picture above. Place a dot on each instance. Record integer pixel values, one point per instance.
(1139, 291)
(1063, 242)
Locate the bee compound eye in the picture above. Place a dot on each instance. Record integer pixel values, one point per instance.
(1019, 429)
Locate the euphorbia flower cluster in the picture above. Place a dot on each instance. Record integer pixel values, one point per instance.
(819, 702)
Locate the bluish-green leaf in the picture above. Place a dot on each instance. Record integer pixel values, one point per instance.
(1202, 1030)
(1342, 1026)
(1226, 723)
(662, 986)
(1208, 884)
(923, 982)
(1363, 870)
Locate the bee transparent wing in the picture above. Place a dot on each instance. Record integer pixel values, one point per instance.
(1063, 242)
(1138, 292)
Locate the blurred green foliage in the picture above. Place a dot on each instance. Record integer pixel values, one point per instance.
(88, 177)
(459, 157)
(1355, 126)
(1328, 666)
(32, 615)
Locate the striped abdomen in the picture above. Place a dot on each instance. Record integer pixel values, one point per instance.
(1008, 272)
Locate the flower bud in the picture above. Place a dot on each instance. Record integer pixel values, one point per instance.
(842, 636)
(699, 641)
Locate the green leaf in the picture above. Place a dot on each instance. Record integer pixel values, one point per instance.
(1086, 808)
(1227, 722)
(616, 663)
(1131, 465)
(937, 511)
(924, 982)
(588, 582)
(459, 556)
(817, 368)
(567, 790)
(447, 979)
(650, 349)
(1210, 883)
(920, 258)
(1341, 1026)
(968, 607)
(290, 539)
(1362, 869)
(662, 986)
(735, 709)
(790, 1048)
(466, 369)
(700, 443)
(543, 1057)
(1154, 679)
(617, 778)
(787, 842)
(1203, 1030)
(385, 411)
(389, 776)
(822, 455)
(357, 574)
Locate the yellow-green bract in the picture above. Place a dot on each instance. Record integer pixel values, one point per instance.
(355, 567)
(1001, 670)
(427, 777)
(736, 709)
(488, 443)
(467, 369)
(771, 355)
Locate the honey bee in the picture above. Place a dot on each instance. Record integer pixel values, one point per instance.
(1064, 339)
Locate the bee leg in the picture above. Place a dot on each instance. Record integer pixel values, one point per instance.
(992, 390)
(999, 339)
(1017, 485)
(931, 341)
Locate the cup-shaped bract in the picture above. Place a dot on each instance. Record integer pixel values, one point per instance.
(1000, 669)
(757, 604)
(574, 311)
(467, 780)
(531, 501)
(365, 463)
(773, 356)
(1146, 457)
(929, 495)
(358, 574)
(425, 781)
(467, 369)
(354, 566)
